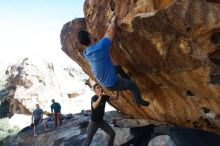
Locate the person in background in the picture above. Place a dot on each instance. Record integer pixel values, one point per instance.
(56, 110)
(98, 102)
(37, 117)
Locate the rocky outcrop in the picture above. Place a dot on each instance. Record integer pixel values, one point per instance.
(170, 47)
(31, 81)
(73, 132)
(129, 132)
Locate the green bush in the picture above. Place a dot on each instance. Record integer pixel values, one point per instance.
(4, 109)
(6, 129)
(2, 82)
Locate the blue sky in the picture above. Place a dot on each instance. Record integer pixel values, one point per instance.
(32, 27)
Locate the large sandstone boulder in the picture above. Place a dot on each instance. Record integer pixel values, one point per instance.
(170, 47)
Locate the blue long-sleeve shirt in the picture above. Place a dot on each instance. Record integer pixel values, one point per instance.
(100, 62)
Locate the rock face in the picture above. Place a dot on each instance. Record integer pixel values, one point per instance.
(73, 133)
(161, 140)
(170, 47)
(31, 81)
(129, 132)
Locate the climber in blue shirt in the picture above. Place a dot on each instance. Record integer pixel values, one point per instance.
(98, 57)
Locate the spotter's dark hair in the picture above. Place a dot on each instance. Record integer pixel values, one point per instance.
(95, 85)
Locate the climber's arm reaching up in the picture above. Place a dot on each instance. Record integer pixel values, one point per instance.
(110, 33)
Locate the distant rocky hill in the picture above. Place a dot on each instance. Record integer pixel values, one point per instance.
(31, 81)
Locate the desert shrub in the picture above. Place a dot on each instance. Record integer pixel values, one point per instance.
(6, 129)
(2, 82)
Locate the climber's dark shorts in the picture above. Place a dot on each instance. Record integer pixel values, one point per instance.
(36, 122)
